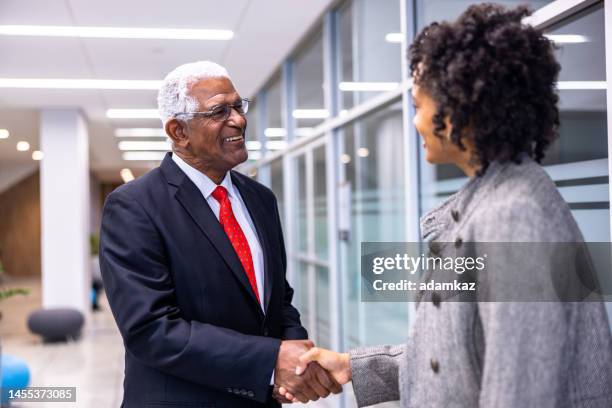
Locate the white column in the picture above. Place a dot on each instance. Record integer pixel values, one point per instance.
(64, 185)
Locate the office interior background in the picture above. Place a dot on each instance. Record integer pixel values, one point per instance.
(329, 131)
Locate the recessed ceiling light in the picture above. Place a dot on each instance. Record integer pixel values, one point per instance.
(23, 146)
(132, 114)
(345, 158)
(149, 156)
(47, 83)
(127, 175)
(132, 145)
(363, 152)
(310, 113)
(37, 155)
(140, 132)
(367, 86)
(116, 32)
(4, 134)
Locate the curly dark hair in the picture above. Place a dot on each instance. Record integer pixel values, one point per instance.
(494, 78)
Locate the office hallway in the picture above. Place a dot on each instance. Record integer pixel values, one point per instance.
(94, 364)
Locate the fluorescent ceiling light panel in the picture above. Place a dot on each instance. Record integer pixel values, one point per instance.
(282, 132)
(582, 85)
(149, 156)
(254, 155)
(276, 145)
(132, 114)
(126, 175)
(275, 132)
(23, 146)
(140, 132)
(567, 38)
(310, 113)
(367, 86)
(138, 145)
(43, 83)
(4, 134)
(116, 32)
(305, 131)
(37, 155)
(395, 38)
(253, 145)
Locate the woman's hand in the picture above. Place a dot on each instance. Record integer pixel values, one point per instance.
(337, 364)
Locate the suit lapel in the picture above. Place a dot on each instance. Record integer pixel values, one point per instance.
(253, 203)
(196, 206)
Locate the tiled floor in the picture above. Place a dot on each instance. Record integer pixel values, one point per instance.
(94, 364)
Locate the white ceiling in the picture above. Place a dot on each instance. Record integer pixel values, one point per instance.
(265, 31)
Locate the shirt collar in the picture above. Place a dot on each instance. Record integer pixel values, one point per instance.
(201, 180)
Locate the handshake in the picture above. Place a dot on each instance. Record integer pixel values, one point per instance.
(306, 373)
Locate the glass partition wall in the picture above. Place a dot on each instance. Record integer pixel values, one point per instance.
(346, 164)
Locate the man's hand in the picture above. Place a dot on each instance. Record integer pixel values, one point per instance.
(336, 364)
(312, 384)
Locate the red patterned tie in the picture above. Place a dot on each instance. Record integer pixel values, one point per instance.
(236, 236)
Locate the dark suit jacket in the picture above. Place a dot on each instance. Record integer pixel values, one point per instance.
(194, 333)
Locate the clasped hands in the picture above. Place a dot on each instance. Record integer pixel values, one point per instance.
(306, 373)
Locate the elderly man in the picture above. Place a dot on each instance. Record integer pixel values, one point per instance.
(193, 261)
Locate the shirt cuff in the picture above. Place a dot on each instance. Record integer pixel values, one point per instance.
(272, 378)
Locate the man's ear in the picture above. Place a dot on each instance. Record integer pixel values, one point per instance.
(176, 131)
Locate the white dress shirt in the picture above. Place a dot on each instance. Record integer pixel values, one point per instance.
(206, 187)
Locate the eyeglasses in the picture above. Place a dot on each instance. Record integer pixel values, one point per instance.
(221, 113)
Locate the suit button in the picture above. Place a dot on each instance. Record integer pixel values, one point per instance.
(250, 394)
(243, 392)
(435, 366)
(458, 242)
(435, 299)
(455, 215)
(266, 332)
(229, 390)
(236, 391)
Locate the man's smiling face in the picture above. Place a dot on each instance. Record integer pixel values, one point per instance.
(219, 144)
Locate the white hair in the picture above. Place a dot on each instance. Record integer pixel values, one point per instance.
(173, 94)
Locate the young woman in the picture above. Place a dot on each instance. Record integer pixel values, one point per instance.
(485, 99)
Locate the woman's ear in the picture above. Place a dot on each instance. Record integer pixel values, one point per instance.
(175, 129)
(448, 128)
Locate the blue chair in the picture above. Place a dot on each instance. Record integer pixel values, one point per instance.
(15, 376)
